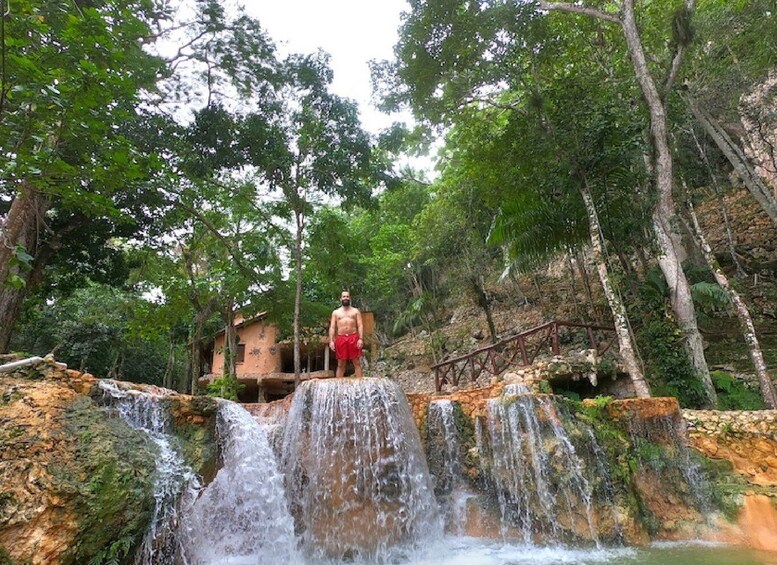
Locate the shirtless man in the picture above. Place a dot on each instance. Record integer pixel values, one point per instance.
(346, 324)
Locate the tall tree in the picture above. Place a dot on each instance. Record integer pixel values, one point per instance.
(655, 96)
(456, 55)
(71, 77)
(327, 156)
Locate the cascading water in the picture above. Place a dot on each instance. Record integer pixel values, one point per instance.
(241, 516)
(145, 412)
(353, 484)
(356, 476)
(444, 453)
(660, 444)
(272, 418)
(539, 479)
(447, 451)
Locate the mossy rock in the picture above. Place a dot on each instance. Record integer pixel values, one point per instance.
(111, 477)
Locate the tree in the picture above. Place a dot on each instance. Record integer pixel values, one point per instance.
(743, 313)
(455, 56)
(728, 88)
(327, 154)
(71, 78)
(662, 163)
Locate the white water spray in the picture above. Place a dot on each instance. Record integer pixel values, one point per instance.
(356, 476)
(241, 516)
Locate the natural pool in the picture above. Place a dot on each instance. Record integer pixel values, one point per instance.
(472, 551)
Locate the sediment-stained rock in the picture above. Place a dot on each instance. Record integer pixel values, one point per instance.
(75, 480)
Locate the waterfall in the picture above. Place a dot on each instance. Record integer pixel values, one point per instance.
(241, 516)
(539, 479)
(443, 445)
(272, 418)
(661, 447)
(356, 476)
(444, 453)
(145, 412)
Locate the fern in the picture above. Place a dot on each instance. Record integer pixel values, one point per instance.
(710, 297)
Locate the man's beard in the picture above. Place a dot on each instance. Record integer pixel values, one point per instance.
(345, 303)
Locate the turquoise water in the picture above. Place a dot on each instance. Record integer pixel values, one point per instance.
(471, 551)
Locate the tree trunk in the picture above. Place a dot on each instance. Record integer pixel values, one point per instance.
(230, 341)
(627, 349)
(196, 338)
(745, 320)
(583, 270)
(21, 228)
(737, 158)
(573, 282)
(297, 296)
(628, 270)
(484, 302)
(732, 248)
(664, 213)
(682, 305)
(169, 368)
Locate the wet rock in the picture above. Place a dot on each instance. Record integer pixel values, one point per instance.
(75, 479)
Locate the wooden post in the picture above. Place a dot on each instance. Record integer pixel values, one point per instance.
(326, 357)
(554, 336)
(592, 339)
(522, 346)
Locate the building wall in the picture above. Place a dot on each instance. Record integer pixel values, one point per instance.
(262, 353)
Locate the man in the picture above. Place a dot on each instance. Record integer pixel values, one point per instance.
(346, 324)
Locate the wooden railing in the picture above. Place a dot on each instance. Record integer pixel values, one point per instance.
(519, 351)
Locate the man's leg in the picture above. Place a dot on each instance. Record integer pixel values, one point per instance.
(341, 368)
(357, 367)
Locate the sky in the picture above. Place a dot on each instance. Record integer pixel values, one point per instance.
(352, 31)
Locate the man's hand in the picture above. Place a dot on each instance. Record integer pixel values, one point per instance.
(360, 343)
(331, 345)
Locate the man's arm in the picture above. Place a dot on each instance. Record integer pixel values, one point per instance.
(332, 329)
(360, 327)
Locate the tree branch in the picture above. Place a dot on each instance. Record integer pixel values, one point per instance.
(577, 9)
(690, 5)
(224, 241)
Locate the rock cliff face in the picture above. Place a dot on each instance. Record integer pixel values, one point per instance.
(723, 488)
(76, 482)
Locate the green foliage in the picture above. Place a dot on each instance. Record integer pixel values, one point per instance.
(668, 368)
(733, 394)
(103, 330)
(572, 395)
(709, 297)
(225, 387)
(667, 365)
(115, 553)
(112, 479)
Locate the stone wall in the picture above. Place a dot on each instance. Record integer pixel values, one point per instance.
(747, 439)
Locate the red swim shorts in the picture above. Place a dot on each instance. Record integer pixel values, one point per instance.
(345, 346)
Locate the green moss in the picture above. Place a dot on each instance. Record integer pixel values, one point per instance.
(5, 559)
(10, 395)
(733, 394)
(727, 487)
(199, 448)
(115, 501)
(464, 426)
